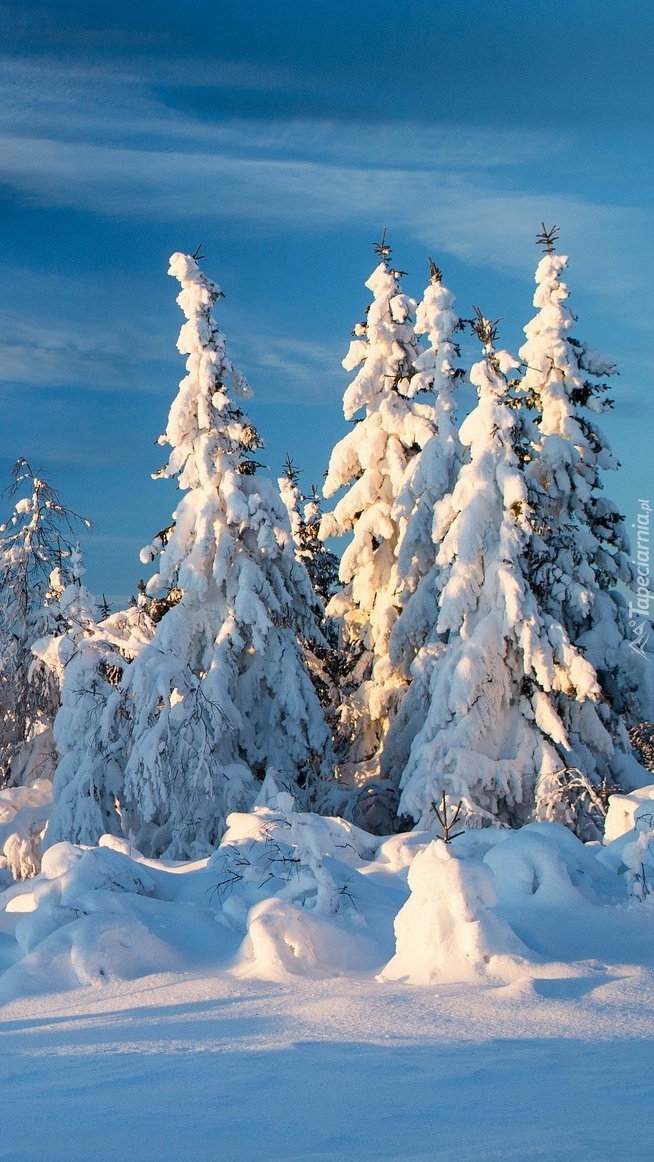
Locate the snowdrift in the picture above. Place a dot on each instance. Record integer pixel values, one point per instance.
(291, 894)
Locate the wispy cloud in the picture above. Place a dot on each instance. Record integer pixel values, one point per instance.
(102, 140)
(76, 136)
(64, 350)
(291, 370)
(464, 211)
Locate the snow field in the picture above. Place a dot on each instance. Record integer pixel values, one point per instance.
(193, 1067)
(314, 992)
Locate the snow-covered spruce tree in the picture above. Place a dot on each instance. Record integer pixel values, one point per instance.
(495, 662)
(291, 494)
(373, 459)
(305, 514)
(579, 551)
(91, 730)
(221, 693)
(35, 568)
(324, 660)
(431, 475)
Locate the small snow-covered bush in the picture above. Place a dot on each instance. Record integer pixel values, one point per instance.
(447, 930)
(24, 813)
(568, 796)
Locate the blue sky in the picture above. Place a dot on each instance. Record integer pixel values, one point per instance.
(284, 137)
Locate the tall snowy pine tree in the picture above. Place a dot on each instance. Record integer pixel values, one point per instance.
(580, 549)
(373, 458)
(430, 476)
(495, 662)
(221, 693)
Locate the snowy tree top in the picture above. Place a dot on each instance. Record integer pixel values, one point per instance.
(204, 425)
(386, 345)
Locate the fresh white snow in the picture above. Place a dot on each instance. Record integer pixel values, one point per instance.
(314, 992)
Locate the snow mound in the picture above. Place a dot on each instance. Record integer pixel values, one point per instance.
(624, 811)
(285, 894)
(92, 916)
(629, 843)
(295, 881)
(447, 930)
(293, 895)
(544, 863)
(284, 940)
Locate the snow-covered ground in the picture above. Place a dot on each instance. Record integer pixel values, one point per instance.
(195, 1067)
(311, 992)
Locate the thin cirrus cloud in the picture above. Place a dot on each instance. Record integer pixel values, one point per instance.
(66, 352)
(302, 370)
(82, 102)
(464, 212)
(102, 140)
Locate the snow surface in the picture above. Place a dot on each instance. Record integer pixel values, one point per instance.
(193, 1068)
(314, 992)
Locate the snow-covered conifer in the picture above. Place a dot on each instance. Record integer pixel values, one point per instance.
(430, 476)
(324, 659)
(579, 551)
(37, 562)
(373, 460)
(432, 473)
(291, 494)
(305, 514)
(495, 661)
(91, 730)
(221, 692)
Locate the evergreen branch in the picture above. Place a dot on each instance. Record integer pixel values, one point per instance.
(435, 273)
(547, 238)
(382, 248)
(485, 329)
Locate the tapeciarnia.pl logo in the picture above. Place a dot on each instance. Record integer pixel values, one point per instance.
(639, 615)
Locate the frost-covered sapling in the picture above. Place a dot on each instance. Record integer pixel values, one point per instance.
(447, 824)
(568, 796)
